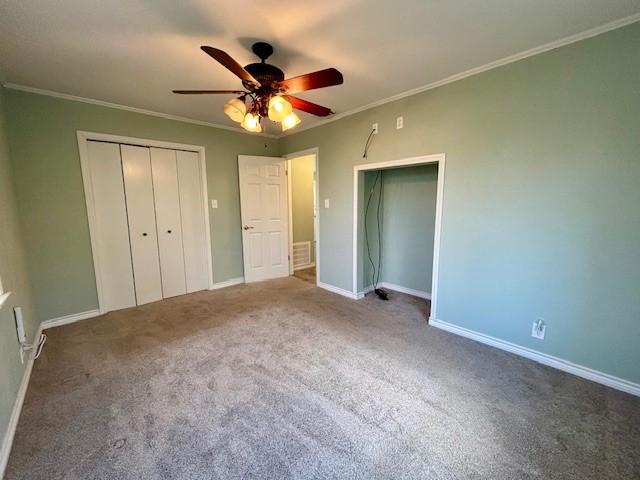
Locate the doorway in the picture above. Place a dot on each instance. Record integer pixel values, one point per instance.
(303, 213)
(397, 212)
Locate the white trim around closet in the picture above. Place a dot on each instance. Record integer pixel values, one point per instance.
(83, 138)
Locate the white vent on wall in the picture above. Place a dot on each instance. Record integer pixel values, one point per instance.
(301, 255)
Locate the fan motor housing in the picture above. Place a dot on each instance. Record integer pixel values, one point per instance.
(265, 73)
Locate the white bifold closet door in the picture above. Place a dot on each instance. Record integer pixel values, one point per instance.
(194, 236)
(138, 184)
(148, 223)
(164, 171)
(109, 226)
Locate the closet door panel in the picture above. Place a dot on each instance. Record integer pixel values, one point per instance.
(193, 221)
(167, 202)
(110, 229)
(136, 166)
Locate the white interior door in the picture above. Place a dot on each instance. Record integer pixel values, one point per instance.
(264, 213)
(194, 235)
(138, 185)
(110, 230)
(164, 171)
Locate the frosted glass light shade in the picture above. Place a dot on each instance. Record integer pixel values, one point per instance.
(290, 121)
(235, 109)
(251, 123)
(279, 108)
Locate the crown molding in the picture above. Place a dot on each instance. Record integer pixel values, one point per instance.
(102, 103)
(622, 22)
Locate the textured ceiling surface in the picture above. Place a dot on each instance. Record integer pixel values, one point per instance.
(134, 52)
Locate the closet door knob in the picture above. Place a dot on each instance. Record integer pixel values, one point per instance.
(168, 231)
(144, 234)
(247, 227)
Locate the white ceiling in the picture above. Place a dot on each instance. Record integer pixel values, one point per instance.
(134, 52)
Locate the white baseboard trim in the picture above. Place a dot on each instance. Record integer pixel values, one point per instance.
(545, 359)
(397, 288)
(75, 317)
(7, 441)
(408, 291)
(362, 293)
(302, 267)
(228, 283)
(338, 290)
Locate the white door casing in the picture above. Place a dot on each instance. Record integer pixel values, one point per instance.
(111, 245)
(194, 233)
(264, 214)
(136, 167)
(164, 171)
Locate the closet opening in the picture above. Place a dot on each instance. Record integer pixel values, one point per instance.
(303, 212)
(397, 218)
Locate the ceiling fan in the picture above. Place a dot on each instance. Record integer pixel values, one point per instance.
(269, 94)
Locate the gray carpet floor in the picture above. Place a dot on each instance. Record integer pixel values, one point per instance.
(284, 380)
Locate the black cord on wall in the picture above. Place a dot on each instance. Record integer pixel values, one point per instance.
(375, 271)
(379, 223)
(368, 143)
(366, 231)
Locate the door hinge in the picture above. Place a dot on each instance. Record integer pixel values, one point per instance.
(288, 257)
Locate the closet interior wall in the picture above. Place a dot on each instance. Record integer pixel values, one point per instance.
(401, 250)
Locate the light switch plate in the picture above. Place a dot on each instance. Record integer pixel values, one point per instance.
(214, 203)
(326, 203)
(399, 123)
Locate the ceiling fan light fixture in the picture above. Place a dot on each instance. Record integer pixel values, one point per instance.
(290, 121)
(279, 108)
(271, 96)
(251, 123)
(235, 109)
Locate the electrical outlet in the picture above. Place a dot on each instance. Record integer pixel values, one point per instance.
(326, 203)
(374, 127)
(538, 329)
(399, 123)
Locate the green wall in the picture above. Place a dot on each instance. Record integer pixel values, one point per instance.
(408, 213)
(302, 169)
(541, 213)
(13, 271)
(48, 181)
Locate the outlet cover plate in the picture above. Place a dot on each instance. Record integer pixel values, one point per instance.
(538, 329)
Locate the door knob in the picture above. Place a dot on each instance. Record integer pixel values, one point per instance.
(168, 231)
(247, 227)
(144, 234)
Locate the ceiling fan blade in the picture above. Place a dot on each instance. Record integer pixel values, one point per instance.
(309, 107)
(204, 92)
(320, 79)
(225, 59)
